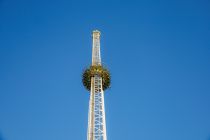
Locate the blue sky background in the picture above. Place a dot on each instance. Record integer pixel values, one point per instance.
(158, 52)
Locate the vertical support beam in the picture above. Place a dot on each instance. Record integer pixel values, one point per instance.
(90, 133)
(96, 56)
(103, 115)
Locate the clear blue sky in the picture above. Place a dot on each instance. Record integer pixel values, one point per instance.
(158, 52)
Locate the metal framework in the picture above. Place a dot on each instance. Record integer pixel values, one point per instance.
(96, 116)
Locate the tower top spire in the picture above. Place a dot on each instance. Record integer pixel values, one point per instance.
(96, 32)
(96, 54)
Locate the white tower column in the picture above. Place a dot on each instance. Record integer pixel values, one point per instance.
(96, 54)
(96, 115)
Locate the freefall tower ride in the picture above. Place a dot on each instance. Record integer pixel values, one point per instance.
(96, 79)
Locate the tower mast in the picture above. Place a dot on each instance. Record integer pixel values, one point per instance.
(96, 79)
(96, 54)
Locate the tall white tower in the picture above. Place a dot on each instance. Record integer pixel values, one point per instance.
(96, 79)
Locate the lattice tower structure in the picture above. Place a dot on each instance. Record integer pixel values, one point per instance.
(96, 79)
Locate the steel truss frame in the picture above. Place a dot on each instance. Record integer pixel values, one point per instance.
(96, 115)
